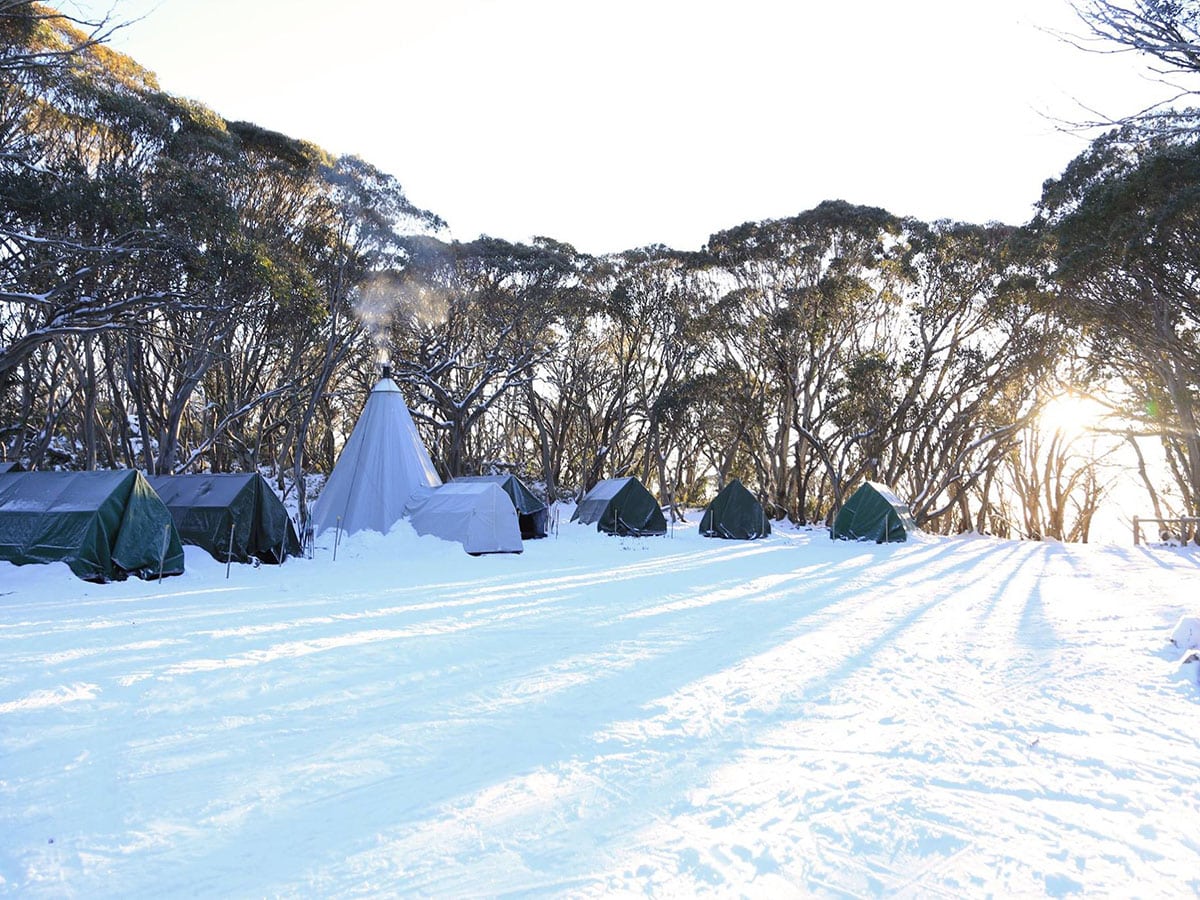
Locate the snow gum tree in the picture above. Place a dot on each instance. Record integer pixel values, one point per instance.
(471, 323)
(80, 250)
(1167, 34)
(1124, 222)
(174, 288)
(974, 340)
(805, 291)
(648, 307)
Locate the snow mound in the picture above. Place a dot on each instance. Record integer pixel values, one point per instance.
(1189, 667)
(1186, 635)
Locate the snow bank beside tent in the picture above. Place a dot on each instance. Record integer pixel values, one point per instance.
(1186, 636)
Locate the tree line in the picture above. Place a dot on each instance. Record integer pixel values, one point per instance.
(179, 292)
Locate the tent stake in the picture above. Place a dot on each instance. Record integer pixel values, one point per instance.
(229, 555)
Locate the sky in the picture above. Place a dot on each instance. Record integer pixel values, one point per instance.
(635, 122)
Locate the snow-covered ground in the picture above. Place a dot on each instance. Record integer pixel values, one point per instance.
(671, 716)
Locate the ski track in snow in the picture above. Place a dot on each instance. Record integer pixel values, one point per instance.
(679, 716)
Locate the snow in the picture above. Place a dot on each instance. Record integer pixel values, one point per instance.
(665, 716)
(1186, 633)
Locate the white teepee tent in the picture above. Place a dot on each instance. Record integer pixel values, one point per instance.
(380, 467)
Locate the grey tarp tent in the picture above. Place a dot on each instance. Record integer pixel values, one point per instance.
(621, 506)
(735, 514)
(380, 467)
(531, 511)
(104, 525)
(235, 516)
(874, 513)
(9, 466)
(479, 515)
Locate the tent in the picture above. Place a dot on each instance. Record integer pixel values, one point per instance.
(621, 506)
(479, 515)
(10, 466)
(104, 525)
(206, 507)
(531, 512)
(380, 467)
(735, 514)
(874, 513)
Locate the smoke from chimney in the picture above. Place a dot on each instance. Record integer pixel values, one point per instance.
(385, 300)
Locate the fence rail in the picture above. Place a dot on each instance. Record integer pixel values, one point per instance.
(1182, 521)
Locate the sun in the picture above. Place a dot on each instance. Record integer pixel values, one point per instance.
(1072, 415)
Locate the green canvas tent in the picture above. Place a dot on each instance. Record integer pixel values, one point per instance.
(874, 513)
(621, 506)
(206, 508)
(735, 514)
(531, 512)
(104, 525)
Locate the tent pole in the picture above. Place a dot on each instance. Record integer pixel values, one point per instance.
(308, 536)
(229, 555)
(162, 557)
(337, 536)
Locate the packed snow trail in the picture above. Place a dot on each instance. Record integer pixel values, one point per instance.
(600, 715)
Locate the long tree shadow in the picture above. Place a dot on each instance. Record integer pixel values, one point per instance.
(574, 722)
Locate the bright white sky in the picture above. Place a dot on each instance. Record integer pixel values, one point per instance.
(630, 122)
